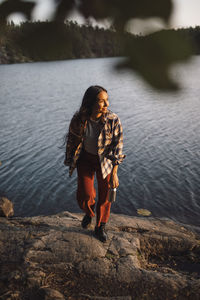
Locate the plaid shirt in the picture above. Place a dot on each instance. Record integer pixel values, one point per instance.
(110, 143)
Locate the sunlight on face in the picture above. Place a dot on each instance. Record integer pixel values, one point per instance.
(102, 104)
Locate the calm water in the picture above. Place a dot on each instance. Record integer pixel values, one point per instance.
(161, 138)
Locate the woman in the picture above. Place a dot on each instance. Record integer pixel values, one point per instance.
(94, 145)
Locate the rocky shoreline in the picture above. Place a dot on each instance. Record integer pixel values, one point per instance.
(52, 257)
(11, 56)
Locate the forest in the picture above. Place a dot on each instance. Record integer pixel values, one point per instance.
(46, 41)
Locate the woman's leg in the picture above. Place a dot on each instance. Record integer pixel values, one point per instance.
(103, 205)
(86, 192)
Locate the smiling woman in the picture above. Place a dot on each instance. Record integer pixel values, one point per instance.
(94, 145)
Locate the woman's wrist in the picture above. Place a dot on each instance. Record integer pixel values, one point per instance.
(114, 170)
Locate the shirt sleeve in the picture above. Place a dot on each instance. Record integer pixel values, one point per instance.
(73, 139)
(117, 144)
(69, 149)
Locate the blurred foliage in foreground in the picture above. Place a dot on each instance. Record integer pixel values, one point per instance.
(150, 56)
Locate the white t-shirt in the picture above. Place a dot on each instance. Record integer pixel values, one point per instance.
(91, 137)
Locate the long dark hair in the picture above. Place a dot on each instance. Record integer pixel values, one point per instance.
(85, 110)
(89, 100)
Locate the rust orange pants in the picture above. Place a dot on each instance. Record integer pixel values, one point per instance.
(87, 165)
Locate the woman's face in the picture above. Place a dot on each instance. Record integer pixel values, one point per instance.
(102, 103)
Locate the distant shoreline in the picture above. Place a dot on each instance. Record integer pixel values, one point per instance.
(49, 41)
(46, 41)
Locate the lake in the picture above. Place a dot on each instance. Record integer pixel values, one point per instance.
(161, 137)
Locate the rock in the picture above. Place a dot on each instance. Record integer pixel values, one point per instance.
(49, 294)
(34, 277)
(16, 275)
(47, 257)
(11, 295)
(87, 297)
(6, 208)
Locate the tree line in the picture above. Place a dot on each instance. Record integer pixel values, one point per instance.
(46, 41)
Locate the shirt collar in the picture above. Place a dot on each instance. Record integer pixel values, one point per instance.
(104, 117)
(107, 115)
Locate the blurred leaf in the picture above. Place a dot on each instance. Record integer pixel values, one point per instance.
(148, 9)
(130, 9)
(0, 163)
(11, 6)
(63, 8)
(94, 8)
(121, 11)
(152, 56)
(143, 212)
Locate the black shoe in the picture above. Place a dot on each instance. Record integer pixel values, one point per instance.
(100, 232)
(86, 221)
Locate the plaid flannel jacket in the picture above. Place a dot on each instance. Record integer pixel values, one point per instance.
(110, 142)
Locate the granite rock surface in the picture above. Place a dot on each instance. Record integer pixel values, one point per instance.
(52, 257)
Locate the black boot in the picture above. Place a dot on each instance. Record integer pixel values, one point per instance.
(100, 232)
(86, 221)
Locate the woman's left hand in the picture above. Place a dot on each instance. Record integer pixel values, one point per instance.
(114, 181)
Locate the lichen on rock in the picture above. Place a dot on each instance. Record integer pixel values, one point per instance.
(6, 207)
